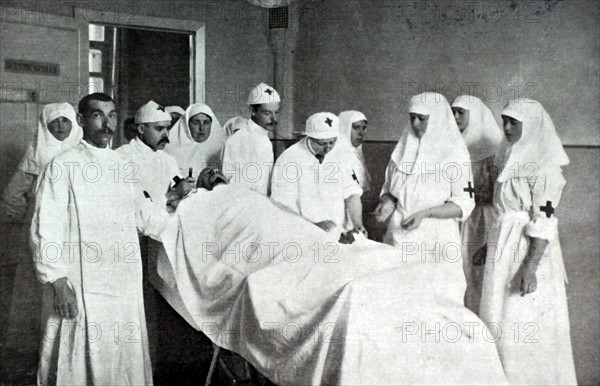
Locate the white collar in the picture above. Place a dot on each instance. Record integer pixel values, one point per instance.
(99, 153)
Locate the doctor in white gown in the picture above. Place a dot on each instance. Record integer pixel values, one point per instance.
(152, 168)
(87, 255)
(248, 152)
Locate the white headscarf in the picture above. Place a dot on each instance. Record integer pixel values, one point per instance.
(45, 146)
(482, 134)
(539, 147)
(442, 143)
(186, 150)
(353, 155)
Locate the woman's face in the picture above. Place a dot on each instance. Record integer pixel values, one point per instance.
(419, 124)
(60, 128)
(358, 132)
(199, 126)
(513, 128)
(462, 117)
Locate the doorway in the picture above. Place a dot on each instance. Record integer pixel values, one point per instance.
(136, 65)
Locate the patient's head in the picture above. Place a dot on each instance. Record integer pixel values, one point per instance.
(210, 177)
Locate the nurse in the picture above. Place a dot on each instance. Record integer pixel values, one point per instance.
(196, 140)
(57, 131)
(353, 129)
(482, 136)
(428, 190)
(309, 178)
(524, 281)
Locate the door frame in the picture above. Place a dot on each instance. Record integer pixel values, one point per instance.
(196, 29)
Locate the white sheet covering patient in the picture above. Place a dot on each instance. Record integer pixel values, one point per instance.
(272, 287)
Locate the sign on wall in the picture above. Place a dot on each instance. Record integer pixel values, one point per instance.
(31, 67)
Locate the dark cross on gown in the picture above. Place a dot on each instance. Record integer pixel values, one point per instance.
(161, 108)
(469, 189)
(548, 209)
(328, 121)
(269, 91)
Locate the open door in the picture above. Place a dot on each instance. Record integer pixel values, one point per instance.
(152, 65)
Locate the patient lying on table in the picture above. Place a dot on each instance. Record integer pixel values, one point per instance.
(305, 309)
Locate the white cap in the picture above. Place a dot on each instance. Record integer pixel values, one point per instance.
(152, 112)
(261, 94)
(175, 109)
(322, 126)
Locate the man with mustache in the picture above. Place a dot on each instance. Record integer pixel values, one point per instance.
(154, 169)
(248, 153)
(87, 255)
